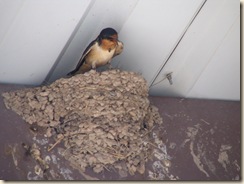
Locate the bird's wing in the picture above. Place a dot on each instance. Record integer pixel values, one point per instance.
(82, 59)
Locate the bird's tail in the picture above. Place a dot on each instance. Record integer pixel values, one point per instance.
(84, 68)
(71, 73)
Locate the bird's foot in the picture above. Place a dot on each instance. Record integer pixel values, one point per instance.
(94, 69)
(110, 67)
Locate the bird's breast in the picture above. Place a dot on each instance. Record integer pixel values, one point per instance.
(99, 55)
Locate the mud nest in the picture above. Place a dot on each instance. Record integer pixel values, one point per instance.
(103, 119)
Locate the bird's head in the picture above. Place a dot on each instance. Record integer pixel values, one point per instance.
(109, 34)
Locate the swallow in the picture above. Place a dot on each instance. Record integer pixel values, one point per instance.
(99, 52)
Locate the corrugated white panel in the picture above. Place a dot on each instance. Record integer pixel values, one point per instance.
(42, 40)
(221, 77)
(206, 62)
(32, 35)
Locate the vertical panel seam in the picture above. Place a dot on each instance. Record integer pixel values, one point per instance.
(47, 78)
(213, 54)
(181, 37)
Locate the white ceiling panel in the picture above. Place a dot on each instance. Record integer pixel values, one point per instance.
(33, 33)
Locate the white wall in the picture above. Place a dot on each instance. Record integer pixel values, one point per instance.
(42, 40)
(32, 35)
(206, 63)
(151, 33)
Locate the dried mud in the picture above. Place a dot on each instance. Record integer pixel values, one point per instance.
(102, 119)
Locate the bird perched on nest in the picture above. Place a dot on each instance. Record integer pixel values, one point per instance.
(99, 52)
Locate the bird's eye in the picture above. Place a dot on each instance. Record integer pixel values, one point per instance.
(111, 38)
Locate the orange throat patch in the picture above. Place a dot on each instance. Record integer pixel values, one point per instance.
(108, 44)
